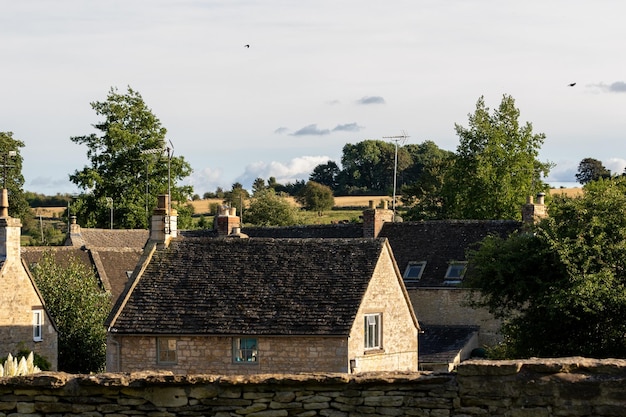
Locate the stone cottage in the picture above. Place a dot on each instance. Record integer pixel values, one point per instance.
(24, 319)
(197, 303)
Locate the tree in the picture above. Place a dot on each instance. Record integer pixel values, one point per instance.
(269, 209)
(368, 166)
(591, 169)
(326, 174)
(79, 307)
(561, 287)
(424, 196)
(258, 185)
(316, 197)
(130, 157)
(12, 178)
(494, 169)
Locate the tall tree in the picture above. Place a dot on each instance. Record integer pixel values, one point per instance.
(591, 169)
(368, 166)
(236, 197)
(561, 287)
(495, 166)
(12, 178)
(130, 161)
(79, 307)
(326, 174)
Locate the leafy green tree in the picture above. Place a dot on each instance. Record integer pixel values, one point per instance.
(368, 167)
(423, 198)
(12, 178)
(561, 287)
(130, 156)
(591, 169)
(326, 174)
(269, 209)
(495, 166)
(316, 197)
(79, 307)
(258, 185)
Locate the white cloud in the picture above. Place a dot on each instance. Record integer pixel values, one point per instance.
(296, 169)
(616, 165)
(206, 179)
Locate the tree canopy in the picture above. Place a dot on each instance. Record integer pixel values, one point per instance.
(493, 170)
(129, 163)
(79, 308)
(591, 169)
(12, 178)
(266, 208)
(316, 197)
(561, 287)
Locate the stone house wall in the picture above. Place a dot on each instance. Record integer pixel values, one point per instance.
(448, 307)
(214, 354)
(530, 388)
(386, 295)
(18, 301)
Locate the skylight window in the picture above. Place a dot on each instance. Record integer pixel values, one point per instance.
(455, 272)
(413, 272)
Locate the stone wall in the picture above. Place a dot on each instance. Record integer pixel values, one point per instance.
(554, 387)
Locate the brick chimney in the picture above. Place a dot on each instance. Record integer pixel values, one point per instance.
(532, 212)
(374, 218)
(226, 220)
(164, 224)
(10, 231)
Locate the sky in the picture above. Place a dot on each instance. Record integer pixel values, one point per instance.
(316, 75)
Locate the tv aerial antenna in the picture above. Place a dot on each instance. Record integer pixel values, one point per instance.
(399, 139)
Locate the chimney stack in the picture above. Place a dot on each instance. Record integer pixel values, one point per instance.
(374, 218)
(164, 223)
(226, 220)
(533, 212)
(10, 231)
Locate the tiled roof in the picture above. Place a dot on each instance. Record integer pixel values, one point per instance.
(110, 238)
(438, 242)
(62, 255)
(350, 230)
(441, 344)
(250, 286)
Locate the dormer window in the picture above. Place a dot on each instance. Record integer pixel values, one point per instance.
(455, 272)
(413, 272)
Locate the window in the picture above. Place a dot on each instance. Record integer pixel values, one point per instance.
(37, 325)
(455, 272)
(245, 350)
(373, 333)
(166, 350)
(413, 272)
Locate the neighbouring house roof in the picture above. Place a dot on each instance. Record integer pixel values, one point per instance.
(438, 242)
(254, 286)
(62, 255)
(442, 344)
(108, 238)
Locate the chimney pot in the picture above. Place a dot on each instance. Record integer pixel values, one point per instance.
(540, 198)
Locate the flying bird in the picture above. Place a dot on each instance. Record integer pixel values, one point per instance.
(246, 46)
(571, 84)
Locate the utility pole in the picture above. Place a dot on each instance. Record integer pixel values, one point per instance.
(400, 138)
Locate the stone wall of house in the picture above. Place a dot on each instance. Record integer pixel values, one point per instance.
(448, 307)
(556, 387)
(387, 296)
(18, 301)
(212, 354)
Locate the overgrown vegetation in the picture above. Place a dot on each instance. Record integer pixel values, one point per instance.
(79, 307)
(560, 288)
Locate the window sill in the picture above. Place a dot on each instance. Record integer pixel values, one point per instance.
(376, 351)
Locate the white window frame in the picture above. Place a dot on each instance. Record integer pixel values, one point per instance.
(455, 266)
(373, 331)
(245, 350)
(409, 267)
(167, 350)
(38, 325)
